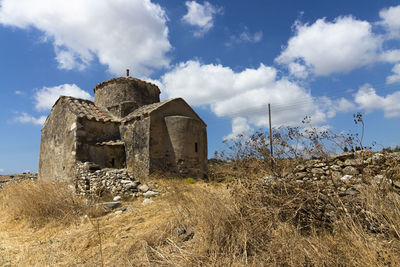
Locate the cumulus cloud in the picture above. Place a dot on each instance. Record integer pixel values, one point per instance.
(26, 118)
(331, 107)
(369, 100)
(298, 70)
(1, 170)
(242, 95)
(201, 16)
(395, 77)
(239, 127)
(47, 96)
(121, 34)
(327, 47)
(390, 56)
(391, 20)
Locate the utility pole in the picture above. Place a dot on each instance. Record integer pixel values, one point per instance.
(270, 136)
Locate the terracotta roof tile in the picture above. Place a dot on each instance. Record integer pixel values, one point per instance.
(145, 110)
(86, 109)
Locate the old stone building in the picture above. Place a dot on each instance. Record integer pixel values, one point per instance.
(125, 127)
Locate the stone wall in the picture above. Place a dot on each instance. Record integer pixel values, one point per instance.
(99, 142)
(112, 94)
(188, 143)
(136, 135)
(178, 142)
(354, 167)
(58, 144)
(91, 181)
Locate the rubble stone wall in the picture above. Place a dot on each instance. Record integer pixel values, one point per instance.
(90, 180)
(351, 166)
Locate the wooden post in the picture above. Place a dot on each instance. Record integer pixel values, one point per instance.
(270, 137)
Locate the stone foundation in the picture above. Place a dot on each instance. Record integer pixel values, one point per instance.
(89, 180)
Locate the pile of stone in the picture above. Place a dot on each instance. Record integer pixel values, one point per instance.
(91, 180)
(349, 169)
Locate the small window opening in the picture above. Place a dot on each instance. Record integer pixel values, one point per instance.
(112, 162)
(195, 147)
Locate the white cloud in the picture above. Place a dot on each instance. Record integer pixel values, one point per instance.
(298, 70)
(1, 170)
(122, 34)
(245, 37)
(239, 127)
(47, 96)
(201, 16)
(328, 47)
(395, 77)
(391, 20)
(331, 107)
(367, 99)
(69, 60)
(390, 56)
(18, 92)
(252, 38)
(26, 118)
(243, 95)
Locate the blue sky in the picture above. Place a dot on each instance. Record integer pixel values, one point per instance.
(228, 59)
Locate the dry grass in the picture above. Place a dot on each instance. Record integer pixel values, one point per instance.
(208, 224)
(41, 202)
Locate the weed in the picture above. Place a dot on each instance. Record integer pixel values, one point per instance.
(189, 180)
(229, 180)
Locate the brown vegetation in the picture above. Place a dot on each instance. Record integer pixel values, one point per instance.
(39, 203)
(243, 222)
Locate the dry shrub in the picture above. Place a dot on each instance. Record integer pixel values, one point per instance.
(323, 226)
(41, 202)
(278, 224)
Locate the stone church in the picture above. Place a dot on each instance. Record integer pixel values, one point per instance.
(125, 127)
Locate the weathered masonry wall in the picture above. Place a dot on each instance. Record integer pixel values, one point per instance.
(99, 142)
(107, 155)
(122, 95)
(178, 141)
(350, 166)
(136, 135)
(187, 138)
(92, 131)
(57, 156)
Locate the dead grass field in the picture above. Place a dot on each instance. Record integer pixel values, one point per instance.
(202, 224)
